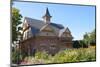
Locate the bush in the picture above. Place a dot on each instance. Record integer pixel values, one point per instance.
(83, 44)
(93, 43)
(17, 57)
(76, 44)
(75, 55)
(68, 55)
(80, 44)
(41, 55)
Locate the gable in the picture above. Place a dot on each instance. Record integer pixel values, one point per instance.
(47, 28)
(65, 33)
(25, 26)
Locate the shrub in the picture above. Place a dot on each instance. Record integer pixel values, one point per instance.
(76, 44)
(41, 55)
(68, 55)
(17, 57)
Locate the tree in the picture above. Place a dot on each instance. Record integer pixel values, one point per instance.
(90, 38)
(16, 21)
(87, 39)
(76, 44)
(93, 37)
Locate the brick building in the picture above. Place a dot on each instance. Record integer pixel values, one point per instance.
(43, 35)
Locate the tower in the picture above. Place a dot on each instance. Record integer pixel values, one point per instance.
(47, 16)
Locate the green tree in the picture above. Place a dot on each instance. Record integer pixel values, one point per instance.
(93, 37)
(86, 39)
(16, 21)
(90, 38)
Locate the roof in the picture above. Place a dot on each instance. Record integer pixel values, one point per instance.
(47, 14)
(39, 23)
(44, 27)
(34, 30)
(57, 25)
(34, 22)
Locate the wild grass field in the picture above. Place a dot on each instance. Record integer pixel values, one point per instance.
(68, 55)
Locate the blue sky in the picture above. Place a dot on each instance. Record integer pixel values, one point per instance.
(79, 19)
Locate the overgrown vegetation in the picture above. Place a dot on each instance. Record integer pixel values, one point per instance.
(15, 57)
(70, 55)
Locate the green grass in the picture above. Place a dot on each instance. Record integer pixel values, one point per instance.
(71, 55)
